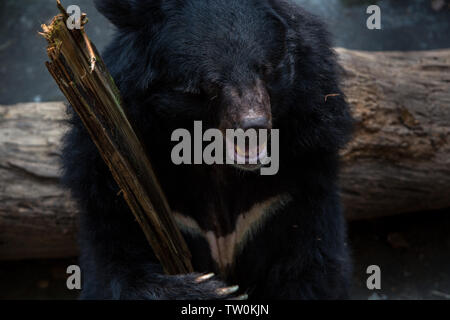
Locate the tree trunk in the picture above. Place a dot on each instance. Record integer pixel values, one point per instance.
(398, 161)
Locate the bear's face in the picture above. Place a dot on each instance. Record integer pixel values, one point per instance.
(224, 57)
(231, 64)
(220, 57)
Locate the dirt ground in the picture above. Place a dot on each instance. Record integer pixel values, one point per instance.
(413, 250)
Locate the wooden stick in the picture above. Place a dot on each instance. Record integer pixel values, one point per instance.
(82, 76)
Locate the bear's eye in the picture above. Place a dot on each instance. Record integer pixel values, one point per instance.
(187, 90)
(265, 70)
(210, 88)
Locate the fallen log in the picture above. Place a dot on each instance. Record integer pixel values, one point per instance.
(398, 161)
(37, 217)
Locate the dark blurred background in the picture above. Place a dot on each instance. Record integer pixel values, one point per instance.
(412, 250)
(406, 25)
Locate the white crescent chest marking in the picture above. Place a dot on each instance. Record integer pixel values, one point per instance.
(225, 248)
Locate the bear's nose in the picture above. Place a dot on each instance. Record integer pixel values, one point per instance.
(255, 123)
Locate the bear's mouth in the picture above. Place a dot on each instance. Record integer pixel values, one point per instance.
(246, 157)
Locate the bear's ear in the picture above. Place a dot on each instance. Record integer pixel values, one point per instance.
(128, 13)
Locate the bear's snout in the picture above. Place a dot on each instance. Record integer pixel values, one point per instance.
(246, 108)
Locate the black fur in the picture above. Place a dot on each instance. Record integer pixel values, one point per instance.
(170, 60)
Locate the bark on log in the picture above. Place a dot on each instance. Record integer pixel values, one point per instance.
(398, 161)
(37, 217)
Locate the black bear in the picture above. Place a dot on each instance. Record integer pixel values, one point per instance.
(263, 64)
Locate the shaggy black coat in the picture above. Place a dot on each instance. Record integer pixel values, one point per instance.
(170, 60)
